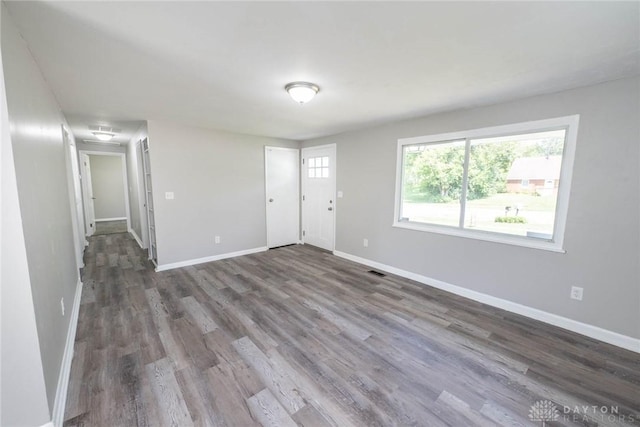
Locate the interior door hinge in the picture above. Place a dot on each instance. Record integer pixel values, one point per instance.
(303, 161)
(303, 198)
(304, 233)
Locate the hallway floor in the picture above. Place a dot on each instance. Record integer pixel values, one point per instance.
(110, 227)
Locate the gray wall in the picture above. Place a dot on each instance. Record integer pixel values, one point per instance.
(107, 181)
(602, 238)
(135, 174)
(41, 177)
(23, 398)
(218, 181)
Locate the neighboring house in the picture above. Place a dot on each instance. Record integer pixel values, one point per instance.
(534, 175)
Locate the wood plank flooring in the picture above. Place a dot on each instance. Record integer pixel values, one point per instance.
(110, 227)
(297, 337)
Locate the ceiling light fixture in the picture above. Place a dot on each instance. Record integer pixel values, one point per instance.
(302, 92)
(104, 133)
(104, 136)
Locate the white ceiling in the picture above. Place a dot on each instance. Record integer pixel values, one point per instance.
(224, 65)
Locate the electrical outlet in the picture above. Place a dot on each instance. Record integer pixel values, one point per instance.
(576, 293)
(217, 239)
(365, 243)
(169, 195)
(62, 305)
(340, 194)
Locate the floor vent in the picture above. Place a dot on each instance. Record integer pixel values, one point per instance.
(376, 273)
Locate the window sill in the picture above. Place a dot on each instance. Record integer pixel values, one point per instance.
(482, 235)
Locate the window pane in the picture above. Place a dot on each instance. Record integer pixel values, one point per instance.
(325, 162)
(513, 183)
(312, 162)
(325, 172)
(312, 173)
(432, 183)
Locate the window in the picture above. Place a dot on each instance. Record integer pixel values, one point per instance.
(318, 167)
(508, 184)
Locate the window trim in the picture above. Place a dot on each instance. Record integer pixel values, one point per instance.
(556, 243)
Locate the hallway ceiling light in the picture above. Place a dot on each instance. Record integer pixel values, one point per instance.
(302, 92)
(104, 136)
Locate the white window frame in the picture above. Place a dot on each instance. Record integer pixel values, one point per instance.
(555, 244)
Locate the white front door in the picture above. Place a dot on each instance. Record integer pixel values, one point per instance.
(282, 177)
(318, 196)
(87, 193)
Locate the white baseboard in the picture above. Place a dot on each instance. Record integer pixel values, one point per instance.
(591, 331)
(163, 267)
(111, 219)
(49, 424)
(137, 238)
(67, 358)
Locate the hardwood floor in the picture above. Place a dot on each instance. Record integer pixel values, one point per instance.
(110, 227)
(296, 336)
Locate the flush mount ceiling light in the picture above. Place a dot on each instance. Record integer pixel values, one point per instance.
(103, 136)
(103, 133)
(302, 92)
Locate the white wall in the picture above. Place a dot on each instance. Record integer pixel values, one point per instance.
(23, 398)
(135, 173)
(45, 211)
(602, 238)
(107, 181)
(218, 182)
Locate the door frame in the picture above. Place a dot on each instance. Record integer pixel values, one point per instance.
(125, 180)
(142, 192)
(74, 184)
(86, 184)
(266, 188)
(303, 180)
(152, 242)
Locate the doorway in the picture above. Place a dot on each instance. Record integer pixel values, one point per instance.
(282, 189)
(318, 196)
(105, 192)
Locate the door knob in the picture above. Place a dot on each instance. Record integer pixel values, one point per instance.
(270, 200)
(330, 208)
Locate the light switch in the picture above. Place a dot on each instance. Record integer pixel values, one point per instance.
(340, 194)
(168, 195)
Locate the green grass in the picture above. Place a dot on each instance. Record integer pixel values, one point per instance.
(537, 211)
(527, 201)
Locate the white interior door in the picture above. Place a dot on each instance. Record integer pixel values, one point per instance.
(318, 196)
(75, 195)
(282, 178)
(87, 193)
